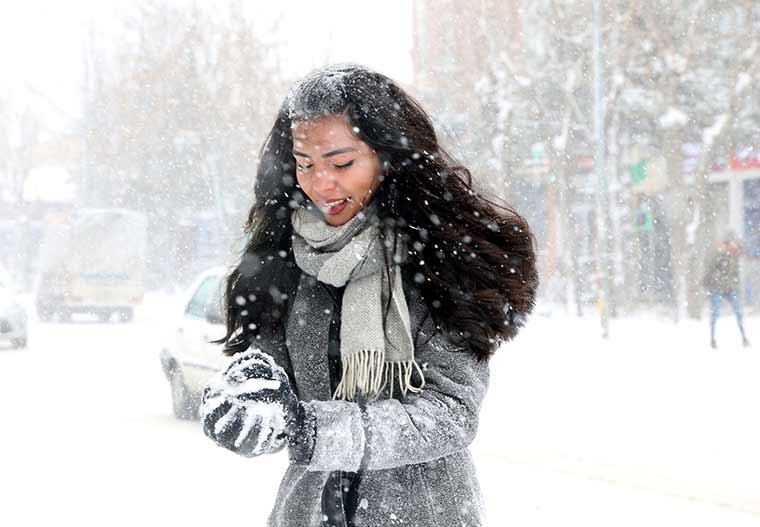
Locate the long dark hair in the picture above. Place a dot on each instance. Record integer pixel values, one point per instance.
(472, 259)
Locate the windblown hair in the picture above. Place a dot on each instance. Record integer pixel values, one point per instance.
(472, 259)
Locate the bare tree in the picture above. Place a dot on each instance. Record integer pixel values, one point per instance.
(177, 108)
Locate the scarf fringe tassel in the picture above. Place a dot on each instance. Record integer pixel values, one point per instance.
(366, 373)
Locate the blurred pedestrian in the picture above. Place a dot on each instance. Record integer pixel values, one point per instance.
(375, 286)
(722, 281)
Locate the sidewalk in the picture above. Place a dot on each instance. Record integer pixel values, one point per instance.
(654, 411)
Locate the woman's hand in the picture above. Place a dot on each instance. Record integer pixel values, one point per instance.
(250, 407)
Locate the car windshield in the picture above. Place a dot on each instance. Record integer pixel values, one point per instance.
(206, 300)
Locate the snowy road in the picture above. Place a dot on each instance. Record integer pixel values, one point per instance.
(653, 428)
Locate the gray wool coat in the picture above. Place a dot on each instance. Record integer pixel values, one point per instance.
(412, 450)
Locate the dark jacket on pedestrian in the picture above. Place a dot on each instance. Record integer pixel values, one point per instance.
(722, 271)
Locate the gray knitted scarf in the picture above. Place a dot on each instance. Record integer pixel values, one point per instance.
(373, 354)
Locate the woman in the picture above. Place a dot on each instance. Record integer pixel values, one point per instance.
(375, 286)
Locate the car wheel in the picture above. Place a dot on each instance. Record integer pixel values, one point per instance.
(126, 314)
(184, 404)
(44, 313)
(64, 314)
(19, 343)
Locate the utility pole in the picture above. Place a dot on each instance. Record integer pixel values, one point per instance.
(602, 192)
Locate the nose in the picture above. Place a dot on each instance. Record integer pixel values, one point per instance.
(324, 181)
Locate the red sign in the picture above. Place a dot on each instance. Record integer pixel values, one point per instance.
(749, 163)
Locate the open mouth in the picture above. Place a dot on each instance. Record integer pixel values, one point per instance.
(337, 206)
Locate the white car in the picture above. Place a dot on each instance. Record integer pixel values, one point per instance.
(188, 358)
(13, 317)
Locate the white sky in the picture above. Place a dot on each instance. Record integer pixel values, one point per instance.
(41, 42)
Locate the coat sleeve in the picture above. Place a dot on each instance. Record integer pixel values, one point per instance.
(708, 278)
(439, 421)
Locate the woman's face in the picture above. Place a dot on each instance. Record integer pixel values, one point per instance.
(337, 170)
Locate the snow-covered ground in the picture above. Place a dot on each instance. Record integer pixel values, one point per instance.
(650, 428)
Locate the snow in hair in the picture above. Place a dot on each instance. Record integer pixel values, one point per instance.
(321, 92)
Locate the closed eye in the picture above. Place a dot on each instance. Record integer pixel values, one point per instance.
(304, 168)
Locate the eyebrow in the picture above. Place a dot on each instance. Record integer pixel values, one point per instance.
(329, 154)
